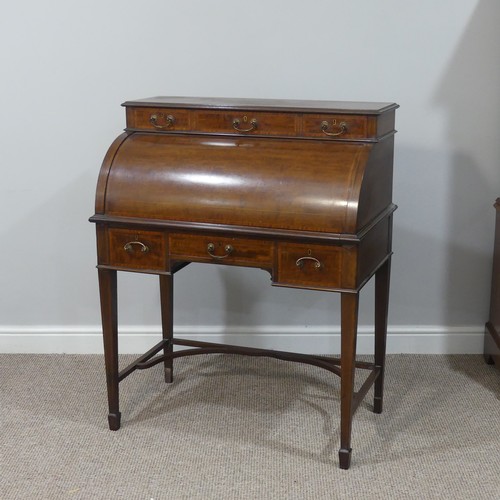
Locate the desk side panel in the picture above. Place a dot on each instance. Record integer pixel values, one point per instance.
(375, 193)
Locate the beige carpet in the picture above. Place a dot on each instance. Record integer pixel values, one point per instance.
(232, 427)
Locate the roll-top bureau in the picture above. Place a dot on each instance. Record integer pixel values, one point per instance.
(301, 189)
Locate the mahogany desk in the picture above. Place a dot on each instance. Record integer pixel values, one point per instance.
(302, 189)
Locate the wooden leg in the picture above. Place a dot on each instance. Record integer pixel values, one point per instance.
(109, 314)
(349, 327)
(167, 323)
(382, 278)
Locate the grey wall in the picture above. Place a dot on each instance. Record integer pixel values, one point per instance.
(66, 67)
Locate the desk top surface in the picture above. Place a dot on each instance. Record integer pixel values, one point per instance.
(285, 105)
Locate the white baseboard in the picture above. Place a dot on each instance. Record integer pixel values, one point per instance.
(313, 339)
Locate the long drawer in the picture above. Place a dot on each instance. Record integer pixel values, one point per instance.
(221, 249)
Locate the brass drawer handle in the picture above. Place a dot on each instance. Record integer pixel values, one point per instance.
(169, 120)
(129, 248)
(211, 247)
(342, 128)
(253, 125)
(300, 262)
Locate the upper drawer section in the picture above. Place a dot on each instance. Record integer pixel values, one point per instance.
(213, 122)
(304, 119)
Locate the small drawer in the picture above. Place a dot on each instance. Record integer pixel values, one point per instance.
(247, 123)
(145, 250)
(158, 119)
(312, 266)
(335, 126)
(220, 249)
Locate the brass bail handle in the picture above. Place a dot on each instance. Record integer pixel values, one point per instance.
(169, 121)
(342, 128)
(128, 247)
(300, 262)
(237, 122)
(211, 248)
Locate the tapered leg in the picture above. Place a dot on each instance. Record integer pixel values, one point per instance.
(382, 278)
(349, 327)
(167, 320)
(109, 314)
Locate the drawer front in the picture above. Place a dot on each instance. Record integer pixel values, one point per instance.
(220, 249)
(243, 122)
(145, 250)
(158, 119)
(333, 127)
(312, 266)
(247, 123)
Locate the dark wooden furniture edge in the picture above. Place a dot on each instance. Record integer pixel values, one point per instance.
(491, 334)
(491, 345)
